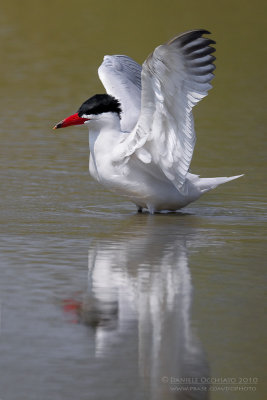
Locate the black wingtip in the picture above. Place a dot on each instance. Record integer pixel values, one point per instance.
(189, 36)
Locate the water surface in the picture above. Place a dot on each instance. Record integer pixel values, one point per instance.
(98, 302)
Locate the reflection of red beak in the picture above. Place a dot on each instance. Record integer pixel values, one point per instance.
(73, 307)
(71, 120)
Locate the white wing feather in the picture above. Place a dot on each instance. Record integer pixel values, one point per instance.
(121, 77)
(174, 78)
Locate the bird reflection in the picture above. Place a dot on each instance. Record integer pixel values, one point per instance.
(139, 301)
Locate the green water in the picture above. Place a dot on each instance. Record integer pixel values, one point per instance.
(98, 302)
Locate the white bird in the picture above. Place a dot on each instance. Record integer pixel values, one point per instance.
(141, 133)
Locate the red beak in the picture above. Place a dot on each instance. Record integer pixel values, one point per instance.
(71, 120)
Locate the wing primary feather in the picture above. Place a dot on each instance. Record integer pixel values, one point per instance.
(203, 61)
(203, 44)
(202, 70)
(189, 36)
(200, 53)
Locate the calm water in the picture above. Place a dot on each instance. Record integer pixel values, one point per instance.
(96, 301)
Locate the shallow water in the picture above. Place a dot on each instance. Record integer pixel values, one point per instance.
(98, 302)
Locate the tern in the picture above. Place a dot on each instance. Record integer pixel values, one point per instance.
(141, 132)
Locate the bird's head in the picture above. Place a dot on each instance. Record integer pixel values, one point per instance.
(92, 109)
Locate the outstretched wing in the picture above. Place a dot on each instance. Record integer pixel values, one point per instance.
(174, 79)
(121, 77)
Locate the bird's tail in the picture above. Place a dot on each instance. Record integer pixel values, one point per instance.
(207, 184)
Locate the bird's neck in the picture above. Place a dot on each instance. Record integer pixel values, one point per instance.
(104, 133)
(104, 136)
(105, 121)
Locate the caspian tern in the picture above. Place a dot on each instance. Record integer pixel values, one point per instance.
(141, 133)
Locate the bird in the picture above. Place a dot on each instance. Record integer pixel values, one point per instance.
(141, 131)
